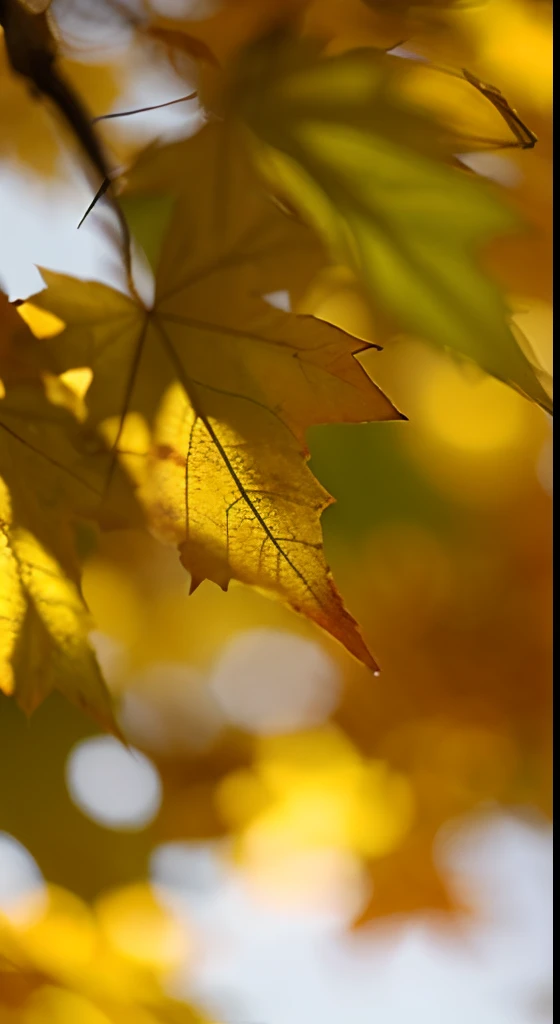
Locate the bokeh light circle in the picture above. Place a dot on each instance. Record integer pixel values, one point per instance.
(116, 787)
(270, 681)
(22, 888)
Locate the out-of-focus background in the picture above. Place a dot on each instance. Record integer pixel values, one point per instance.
(287, 839)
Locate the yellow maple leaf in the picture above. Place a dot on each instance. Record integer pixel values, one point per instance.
(44, 622)
(207, 394)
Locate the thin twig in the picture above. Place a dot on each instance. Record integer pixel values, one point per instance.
(143, 110)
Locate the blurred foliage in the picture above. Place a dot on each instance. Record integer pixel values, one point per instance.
(30, 134)
(63, 961)
(440, 538)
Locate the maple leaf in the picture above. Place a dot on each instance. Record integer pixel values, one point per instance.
(207, 395)
(368, 171)
(44, 622)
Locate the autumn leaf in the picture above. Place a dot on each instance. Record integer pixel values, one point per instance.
(44, 622)
(366, 170)
(207, 394)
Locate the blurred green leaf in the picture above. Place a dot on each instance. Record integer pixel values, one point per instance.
(148, 219)
(350, 461)
(369, 171)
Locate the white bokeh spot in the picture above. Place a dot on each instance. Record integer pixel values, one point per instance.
(169, 710)
(114, 786)
(269, 681)
(22, 888)
(279, 300)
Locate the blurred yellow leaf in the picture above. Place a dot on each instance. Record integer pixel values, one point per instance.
(63, 967)
(513, 43)
(313, 790)
(42, 324)
(30, 125)
(140, 929)
(339, 24)
(44, 622)
(225, 30)
(226, 383)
